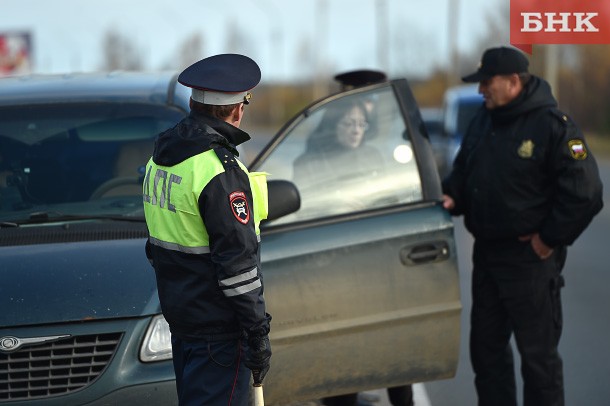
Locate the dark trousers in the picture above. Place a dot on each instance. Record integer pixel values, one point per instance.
(515, 292)
(210, 373)
(401, 395)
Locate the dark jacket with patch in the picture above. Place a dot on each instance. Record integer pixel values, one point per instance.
(211, 295)
(525, 168)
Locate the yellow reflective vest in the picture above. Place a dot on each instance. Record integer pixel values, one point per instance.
(171, 200)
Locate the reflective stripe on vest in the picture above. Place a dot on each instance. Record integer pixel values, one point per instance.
(178, 247)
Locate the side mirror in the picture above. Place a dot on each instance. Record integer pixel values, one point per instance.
(284, 198)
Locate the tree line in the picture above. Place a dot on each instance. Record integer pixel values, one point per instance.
(582, 86)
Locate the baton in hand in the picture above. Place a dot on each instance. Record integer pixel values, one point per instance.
(259, 400)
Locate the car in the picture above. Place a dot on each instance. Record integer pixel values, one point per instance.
(460, 103)
(361, 280)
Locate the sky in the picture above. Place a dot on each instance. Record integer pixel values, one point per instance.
(290, 39)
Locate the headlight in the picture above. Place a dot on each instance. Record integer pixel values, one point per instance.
(157, 345)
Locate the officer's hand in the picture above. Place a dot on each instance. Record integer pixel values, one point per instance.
(258, 356)
(448, 202)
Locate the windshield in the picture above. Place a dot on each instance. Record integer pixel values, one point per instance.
(76, 159)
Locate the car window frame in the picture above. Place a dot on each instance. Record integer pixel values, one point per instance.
(422, 150)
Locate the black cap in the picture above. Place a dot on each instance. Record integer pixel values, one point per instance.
(361, 77)
(221, 79)
(499, 61)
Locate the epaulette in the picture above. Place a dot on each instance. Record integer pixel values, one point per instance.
(563, 118)
(227, 159)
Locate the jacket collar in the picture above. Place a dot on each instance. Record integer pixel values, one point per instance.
(232, 134)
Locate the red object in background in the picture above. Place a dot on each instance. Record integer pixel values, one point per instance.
(559, 22)
(15, 53)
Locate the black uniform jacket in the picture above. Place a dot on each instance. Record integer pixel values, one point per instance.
(525, 168)
(190, 285)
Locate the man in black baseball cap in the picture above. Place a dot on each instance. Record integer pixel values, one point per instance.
(202, 210)
(528, 186)
(501, 74)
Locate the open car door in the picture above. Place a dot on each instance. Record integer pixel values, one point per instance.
(362, 280)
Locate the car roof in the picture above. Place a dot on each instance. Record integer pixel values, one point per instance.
(138, 87)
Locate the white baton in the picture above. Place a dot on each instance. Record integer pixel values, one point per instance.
(259, 400)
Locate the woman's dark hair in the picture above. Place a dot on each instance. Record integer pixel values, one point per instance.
(324, 136)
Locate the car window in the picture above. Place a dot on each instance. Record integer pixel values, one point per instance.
(351, 154)
(61, 158)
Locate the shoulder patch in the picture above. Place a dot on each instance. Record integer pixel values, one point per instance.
(239, 206)
(577, 148)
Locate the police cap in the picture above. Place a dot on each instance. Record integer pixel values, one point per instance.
(361, 77)
(221, 79)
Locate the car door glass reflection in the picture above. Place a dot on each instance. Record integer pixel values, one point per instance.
(348, 156)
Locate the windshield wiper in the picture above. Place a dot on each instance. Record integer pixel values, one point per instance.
(8, 224)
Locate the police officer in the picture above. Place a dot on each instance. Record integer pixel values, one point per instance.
(202, 210)
(528, 186)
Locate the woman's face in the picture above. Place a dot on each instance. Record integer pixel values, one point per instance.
(351, 128)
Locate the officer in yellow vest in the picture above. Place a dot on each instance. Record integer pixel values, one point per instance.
(202, 210)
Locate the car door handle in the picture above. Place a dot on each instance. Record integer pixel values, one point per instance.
(434, 251)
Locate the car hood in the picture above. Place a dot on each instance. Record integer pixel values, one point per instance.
(51, 283)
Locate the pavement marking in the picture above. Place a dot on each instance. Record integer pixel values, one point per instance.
(420, 396)
(379, 397)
